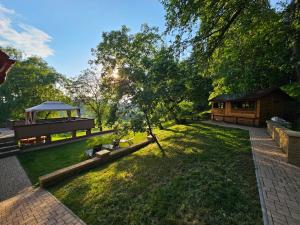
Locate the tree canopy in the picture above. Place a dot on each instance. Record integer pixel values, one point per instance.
(30, 82)
(245, 41)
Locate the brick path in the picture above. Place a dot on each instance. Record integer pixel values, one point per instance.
(36, 207)
(29, 205)
(278, 181)
(13, 178)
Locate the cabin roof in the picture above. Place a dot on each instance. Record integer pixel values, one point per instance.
(249, 96)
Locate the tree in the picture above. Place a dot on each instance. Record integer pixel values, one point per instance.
(252, 57)
(243, 41)
(129, 56)
(168, 80)
(30, 82)
(88, 89)
(292, 16)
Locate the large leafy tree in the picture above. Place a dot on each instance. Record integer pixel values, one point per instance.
(126, 63)
(88, 89)
(31, 81)
(252, 57)
(168, 80)
(243, 41)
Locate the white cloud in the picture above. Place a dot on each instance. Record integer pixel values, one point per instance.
(30, 40)
(4, 10)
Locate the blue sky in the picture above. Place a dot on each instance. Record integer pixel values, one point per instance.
(64, 31)
(75, 26)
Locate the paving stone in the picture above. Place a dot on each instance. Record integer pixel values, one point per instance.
(13, 178)
(279, 180)
(36, 206)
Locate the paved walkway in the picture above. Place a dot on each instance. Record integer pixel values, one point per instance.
(278, 181)
(20, 203)
(13, 178)
(36, 207)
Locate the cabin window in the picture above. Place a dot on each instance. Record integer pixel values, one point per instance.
(219, 105)
(247, 105)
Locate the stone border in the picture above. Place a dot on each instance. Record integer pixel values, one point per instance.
(259, 183)
(61, 174)
(286, 139)
(67, 209)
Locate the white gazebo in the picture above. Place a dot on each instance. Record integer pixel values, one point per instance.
(49, 106)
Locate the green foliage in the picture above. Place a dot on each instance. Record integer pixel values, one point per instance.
(130, 56)
(206, 176)
(241, 45)
(185, 109)
(31, 81)
(88, 89)
(292, 90)
(252, 57)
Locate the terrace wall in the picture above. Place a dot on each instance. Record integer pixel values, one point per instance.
(286, 139)
(56, 176)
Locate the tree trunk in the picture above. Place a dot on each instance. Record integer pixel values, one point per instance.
(161, 127)
(99, 120)
(173, 113)
(151, 132)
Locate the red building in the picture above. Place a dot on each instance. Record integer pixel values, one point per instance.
(5, 64)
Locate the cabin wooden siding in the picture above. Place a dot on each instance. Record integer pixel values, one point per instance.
(239, 116)
(274, 104)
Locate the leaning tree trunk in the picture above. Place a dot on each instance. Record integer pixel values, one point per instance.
(99, 121)
(151, 131)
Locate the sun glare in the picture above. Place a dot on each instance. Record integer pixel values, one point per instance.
(115, 74)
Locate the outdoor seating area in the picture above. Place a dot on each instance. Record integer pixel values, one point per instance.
(38, 131)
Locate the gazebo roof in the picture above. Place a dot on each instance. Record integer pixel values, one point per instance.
(51, 106)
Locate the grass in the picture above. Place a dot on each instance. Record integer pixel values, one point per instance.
(292, 90)
(57, 137)
(38, 163)
(205, 175)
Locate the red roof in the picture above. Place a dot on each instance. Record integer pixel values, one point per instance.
(5, 64)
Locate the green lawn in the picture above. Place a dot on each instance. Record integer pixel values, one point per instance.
(205, 175)
(38, 163)
(57, 137)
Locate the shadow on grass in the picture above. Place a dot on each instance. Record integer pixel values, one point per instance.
(206, 177)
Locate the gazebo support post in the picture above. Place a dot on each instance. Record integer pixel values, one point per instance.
(88, 132)
(74, 134)
(48, 139)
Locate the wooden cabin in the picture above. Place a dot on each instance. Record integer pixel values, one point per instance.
(251, 109)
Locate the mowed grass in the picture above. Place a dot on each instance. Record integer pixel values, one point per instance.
(205, 175)
(38, 163)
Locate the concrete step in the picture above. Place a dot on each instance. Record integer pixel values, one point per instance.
(9, 153)
(8, 148)
(9, 143)
(7, 139)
